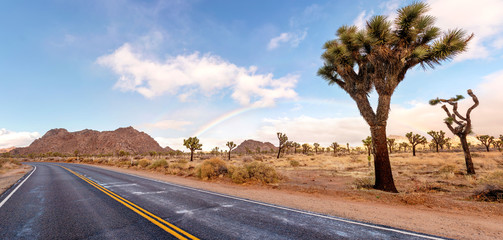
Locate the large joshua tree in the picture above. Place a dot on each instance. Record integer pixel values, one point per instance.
(464, 123)
(334, 146)
(378, 57)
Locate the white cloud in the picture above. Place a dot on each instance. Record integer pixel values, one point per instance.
(168, 124)
(293, 38)
(361, 20)
(419, 118)
(16, 139)
(192, 73)
(484, 18)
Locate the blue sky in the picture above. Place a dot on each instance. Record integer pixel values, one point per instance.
(235, 69)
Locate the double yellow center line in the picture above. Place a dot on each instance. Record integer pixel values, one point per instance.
(166, 226)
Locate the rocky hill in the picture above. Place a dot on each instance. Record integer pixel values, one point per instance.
(92, 142)
(5, 150)
(252, 145)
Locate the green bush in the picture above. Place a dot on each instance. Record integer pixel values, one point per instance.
(211, 168)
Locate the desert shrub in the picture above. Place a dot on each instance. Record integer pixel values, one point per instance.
(294, 163)
(158, 163)
(494, 178)
(363, 183)
(14, 161)
(489, 193)
(448, 168)
(240, 175)
(247, 159)
(143, 163)
(262, 172)
(211, 168)
(180, 164)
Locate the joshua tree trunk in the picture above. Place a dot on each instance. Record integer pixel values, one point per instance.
(191, 155)
(468, 157)
(279, 151)
(384, 176)
(413, 150)
(229, 155)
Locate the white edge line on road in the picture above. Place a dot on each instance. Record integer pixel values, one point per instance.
(286, 208)
(10, 195)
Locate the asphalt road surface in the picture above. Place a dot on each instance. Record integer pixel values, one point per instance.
(70, 201)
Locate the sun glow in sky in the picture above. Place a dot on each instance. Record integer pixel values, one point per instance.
(222, 70)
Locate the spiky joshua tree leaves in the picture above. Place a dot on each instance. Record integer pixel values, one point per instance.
(192, 144)
(464, 123)
(486, 140)
(414, 140)
(378, 57)
(231, 145)
(282, 141)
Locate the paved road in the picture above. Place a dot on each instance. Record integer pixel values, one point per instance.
(70, 201)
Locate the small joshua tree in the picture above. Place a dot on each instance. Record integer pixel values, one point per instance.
(316, 147)
(306, 148)
(464, 123)
(497, 144)
(295, 146)
(334, 146)
(391, 142)
(486, 140)
(414, 140)
(438, 138)
(403, 145)
(367, 142)
(231, 146)
(192, 144)
(282, 141)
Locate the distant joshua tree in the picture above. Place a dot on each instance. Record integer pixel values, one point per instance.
(295, 146)
(334, 146)
(192, 144)
(231, 145)
(438, 138)
(464, 124)
(306, 148)
(486, 140)
(414, 140)
(288, 145)
(367, 142)
(391, 142)
(282, 141)
(316, 147)
(403, 145)
(347, 145)
(498, 144)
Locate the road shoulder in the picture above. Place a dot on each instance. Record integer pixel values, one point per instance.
(10, 176)
(448, 222)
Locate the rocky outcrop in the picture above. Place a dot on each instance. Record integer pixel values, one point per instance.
(251, 146)
(92, 142)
